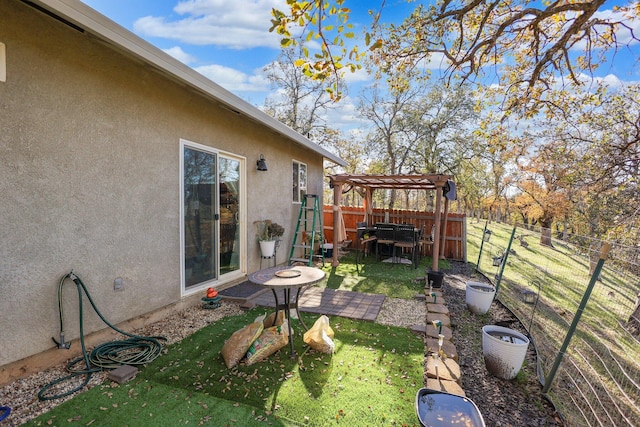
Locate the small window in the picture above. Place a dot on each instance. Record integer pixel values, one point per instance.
(299, 181)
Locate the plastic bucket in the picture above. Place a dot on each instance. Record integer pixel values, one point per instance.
(504, 350)
(327, 250)
(479, 296)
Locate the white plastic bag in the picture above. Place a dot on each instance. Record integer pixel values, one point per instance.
(320, 336)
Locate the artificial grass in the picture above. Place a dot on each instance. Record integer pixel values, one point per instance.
(371, 276)
(371, 379)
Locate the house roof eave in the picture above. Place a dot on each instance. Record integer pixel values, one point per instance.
(89, 20)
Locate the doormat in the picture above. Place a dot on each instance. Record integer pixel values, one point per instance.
(243, 290)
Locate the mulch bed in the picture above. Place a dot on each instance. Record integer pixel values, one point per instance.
(517, 402)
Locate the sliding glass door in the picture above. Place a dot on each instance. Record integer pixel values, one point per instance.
(211, 227)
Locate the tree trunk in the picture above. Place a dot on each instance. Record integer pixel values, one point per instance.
(545, 232)
(634, 320)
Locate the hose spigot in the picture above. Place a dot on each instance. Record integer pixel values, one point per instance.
(62, 345)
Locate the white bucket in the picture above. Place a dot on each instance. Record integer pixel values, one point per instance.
(480, 296)
(504, 351)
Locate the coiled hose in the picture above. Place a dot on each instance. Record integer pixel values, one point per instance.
(136, 350)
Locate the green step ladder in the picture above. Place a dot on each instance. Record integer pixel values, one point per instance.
(308, 230)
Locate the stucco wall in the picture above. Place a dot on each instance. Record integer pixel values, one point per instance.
(89, 178)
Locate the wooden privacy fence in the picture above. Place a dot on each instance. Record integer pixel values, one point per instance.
(455, 242)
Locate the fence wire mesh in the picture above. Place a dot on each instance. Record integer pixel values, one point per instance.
(597, 382)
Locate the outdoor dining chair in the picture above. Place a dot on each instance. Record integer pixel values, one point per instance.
(426, 240)
(364, 239)
(385, 236)
(406, 238)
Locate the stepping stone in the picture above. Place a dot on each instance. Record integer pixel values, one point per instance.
(430, 297)
(122, 374)
(419, 329)
(444, 368)
(439, 299)
(247, 305)
(444, 318)
(446, 386)
(447, 347)
(437, 308)
(433, 332)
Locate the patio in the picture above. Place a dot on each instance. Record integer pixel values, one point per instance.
(349, 304)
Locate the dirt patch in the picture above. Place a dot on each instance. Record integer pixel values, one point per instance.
(517, 402)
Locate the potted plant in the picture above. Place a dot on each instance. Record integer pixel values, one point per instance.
(268, 232)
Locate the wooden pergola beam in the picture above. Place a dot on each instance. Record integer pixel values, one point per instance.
(370, 183)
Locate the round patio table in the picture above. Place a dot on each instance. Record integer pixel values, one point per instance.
(287, 278)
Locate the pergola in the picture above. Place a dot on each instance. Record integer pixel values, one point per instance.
(370, 183)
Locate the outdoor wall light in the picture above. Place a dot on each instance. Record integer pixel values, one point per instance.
(261, 164)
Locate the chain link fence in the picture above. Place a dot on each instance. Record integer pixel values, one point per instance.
(576, 300)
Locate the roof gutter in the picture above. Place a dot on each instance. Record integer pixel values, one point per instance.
(91, 21)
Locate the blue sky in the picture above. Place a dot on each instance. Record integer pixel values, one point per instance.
(229, 41)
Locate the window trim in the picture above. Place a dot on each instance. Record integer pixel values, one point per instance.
(306, 168)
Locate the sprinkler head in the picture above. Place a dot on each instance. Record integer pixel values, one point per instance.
(438, 324)
(433, 294)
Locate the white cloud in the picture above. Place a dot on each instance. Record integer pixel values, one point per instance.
(180, 55)
(234, 80)
(361, 75)
(436, 61)
(345, 115)
(230, 24)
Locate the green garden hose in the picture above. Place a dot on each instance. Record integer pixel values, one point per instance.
(136, 350)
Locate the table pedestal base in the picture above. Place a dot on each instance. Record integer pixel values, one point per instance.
(286, 306)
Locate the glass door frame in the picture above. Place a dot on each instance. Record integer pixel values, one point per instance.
(242, 223)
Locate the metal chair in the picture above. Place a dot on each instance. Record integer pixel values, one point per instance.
(426, 240)
(364, 237)
(385, 235)
(406, 238)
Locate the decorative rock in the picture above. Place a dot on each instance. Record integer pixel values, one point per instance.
(446, 386)
(445, 369)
